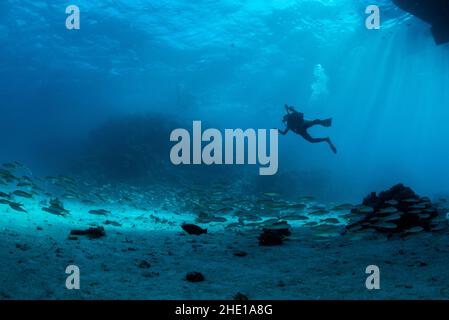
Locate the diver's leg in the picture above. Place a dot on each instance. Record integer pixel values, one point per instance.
(329, 141)
(307, 137)
(324, 123)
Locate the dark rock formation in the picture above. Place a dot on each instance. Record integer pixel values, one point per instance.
(193, 229)
(194, 277)
(434, 12)
(398, 210)
(128, 148)
(275, 234)
(144, 265)
(240, 253)
(240, 296)
(91, 233)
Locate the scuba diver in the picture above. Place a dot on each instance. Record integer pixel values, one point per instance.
(295, 122)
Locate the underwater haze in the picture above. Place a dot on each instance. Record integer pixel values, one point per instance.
(86, 117)
(232, 64)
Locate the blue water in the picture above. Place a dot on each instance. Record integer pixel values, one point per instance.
(88, 114)
(232, 64)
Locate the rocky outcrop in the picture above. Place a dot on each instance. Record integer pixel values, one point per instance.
(398, 210)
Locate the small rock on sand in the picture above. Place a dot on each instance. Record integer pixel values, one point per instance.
(194, 277)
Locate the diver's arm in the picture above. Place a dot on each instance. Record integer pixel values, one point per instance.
(284, 132)
(288, 109)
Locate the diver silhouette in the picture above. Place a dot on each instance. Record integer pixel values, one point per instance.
(295, 122)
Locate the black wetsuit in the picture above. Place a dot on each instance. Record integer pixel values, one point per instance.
(295, 122)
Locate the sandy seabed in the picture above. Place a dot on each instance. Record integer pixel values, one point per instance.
(146, 259)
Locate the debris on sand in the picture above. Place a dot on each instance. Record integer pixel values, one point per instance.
(240, 253)
(398, 210)
(270, 238)
(194, 277)
(193, 229)
(91, 233)
(144, 265)
(240, 296)
(22, 246)
(275, 234)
